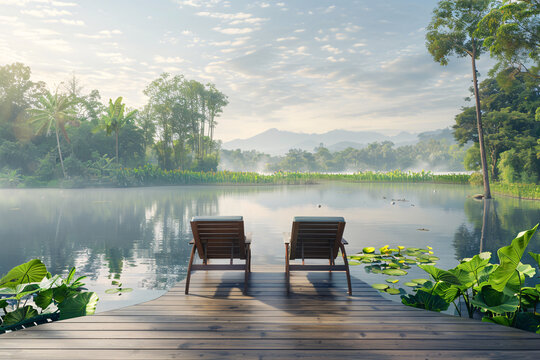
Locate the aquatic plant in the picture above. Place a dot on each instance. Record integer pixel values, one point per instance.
(30, 295)
(494, 291)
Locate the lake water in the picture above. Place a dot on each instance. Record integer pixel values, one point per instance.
(140, 236)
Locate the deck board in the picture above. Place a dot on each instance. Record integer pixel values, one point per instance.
(316, 320)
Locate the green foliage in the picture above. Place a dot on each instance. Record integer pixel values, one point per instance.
(49, 297)
(496, 290)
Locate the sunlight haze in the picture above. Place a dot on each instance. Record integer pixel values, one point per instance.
(303, 66)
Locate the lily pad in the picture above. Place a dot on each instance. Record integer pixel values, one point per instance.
(380, 286)
(392, 291)
(368, 250)
(411, 284)
(419, 281)
(392, 281)
(394, 272)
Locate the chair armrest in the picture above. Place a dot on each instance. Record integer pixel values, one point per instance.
(192, 242)
(286, 238)
(249, 236)
(344, 242)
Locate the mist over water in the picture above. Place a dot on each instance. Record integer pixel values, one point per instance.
(139, 236)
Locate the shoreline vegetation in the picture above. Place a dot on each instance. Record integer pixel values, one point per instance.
(154, 176)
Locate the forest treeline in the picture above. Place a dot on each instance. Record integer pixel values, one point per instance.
(45, 136)
(434, 153)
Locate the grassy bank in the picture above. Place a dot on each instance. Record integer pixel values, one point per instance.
(150, 176)
(522, 191)
(154, 176)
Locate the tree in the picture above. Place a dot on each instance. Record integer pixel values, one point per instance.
(54, 111)
(452, 30)
(114, 119)
(512, 34)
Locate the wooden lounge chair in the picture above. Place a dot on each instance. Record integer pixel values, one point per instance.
(315, 237)
(219, 237)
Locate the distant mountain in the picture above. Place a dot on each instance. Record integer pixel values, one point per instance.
(277, 142)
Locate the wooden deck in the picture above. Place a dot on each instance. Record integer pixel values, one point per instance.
(317, 320)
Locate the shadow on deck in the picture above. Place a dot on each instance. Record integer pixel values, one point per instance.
(316, 320)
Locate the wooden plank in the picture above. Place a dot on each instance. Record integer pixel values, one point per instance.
(250, 334)
(92, 354)
(316, 320)
(269, 344)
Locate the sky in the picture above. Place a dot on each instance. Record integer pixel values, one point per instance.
(307, 66)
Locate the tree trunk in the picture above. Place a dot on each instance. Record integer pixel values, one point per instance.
(60, 152)
(116, 133)
(487, 191)
(484, 225)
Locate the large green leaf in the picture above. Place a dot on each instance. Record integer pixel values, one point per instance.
(32, 271)
(510, 257)
(79, 305)
(425, 300)
(476, 263)
(440, 275)
(500, 320)
(489, 299)
(44, 298)
(19, 316)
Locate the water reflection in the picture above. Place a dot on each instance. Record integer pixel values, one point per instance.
(140, 237)
(492, 224)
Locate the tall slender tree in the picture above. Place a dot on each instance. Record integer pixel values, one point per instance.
(453, 30)
(115, 119)
(54, 111)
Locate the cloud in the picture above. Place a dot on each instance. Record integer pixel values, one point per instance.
(198, 3)
(103, 34)
(234, 31)
(66, 22)
(115, 57)
(168, 60)
(45, 12)
(23, 3)
(290, 38)
(329, 9)
(331, 49)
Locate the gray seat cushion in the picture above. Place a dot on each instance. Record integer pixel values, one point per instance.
(217, 218)
(319, 219)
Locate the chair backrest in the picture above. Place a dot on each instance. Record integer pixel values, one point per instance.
(219, 237)
(316, 237)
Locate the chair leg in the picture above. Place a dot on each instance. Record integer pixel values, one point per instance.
(287, 271)
(346, 268)
(247, 270)
(188, 278)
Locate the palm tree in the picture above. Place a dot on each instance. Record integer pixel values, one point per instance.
(114, 119)
(54, 111)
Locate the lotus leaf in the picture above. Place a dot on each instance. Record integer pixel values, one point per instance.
(425, 300)
(19, 316)
(489, 299)
(32, 271)
(510, 257)
(79, 305)
(440, 275)
(500, 320)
